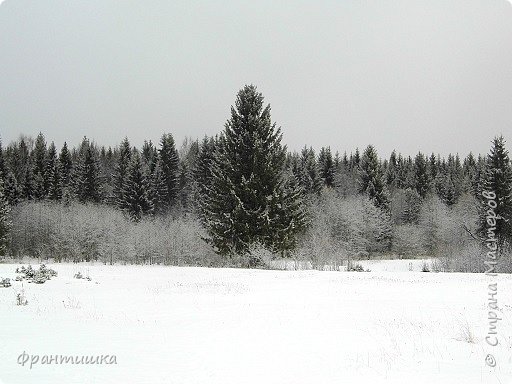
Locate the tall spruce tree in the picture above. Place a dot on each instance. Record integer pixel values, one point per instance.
(5, 221)
(344, 160)
(449, 182)
(370, 178)
(12, 190)
(38, 155)
(432, 168)
(446, 188)
(134, 197)
(66, 164)
(188, 157)
(157, 188)
(456, 174)
(169, 164)
(470, 172)
(326, 165)
(410, 177)
(3, 166)
(23, 161)
(53, 174)
(337, 162)
(355, 160)
(391, 170)
(148, 154)
(292, 163)
(248, 202)
(107, 167)
(88, 182)
(497, 179)
(479, 175)
(203, 169)
(421, 177)
(308, 173)
(121, 171)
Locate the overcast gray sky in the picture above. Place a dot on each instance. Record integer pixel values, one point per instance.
(412, 75)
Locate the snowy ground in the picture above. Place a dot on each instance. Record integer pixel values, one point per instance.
(197, 325)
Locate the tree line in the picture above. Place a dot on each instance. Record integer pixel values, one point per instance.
(244, 186)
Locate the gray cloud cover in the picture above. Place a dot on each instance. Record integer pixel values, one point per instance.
(412, 75)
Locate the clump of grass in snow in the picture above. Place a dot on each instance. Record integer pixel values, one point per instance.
(79, 275)
(71, 303)
(465, 333)
(20, 298)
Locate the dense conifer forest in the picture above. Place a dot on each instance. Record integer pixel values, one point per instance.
(241, 198)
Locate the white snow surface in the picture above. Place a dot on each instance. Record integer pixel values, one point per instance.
(232, 326)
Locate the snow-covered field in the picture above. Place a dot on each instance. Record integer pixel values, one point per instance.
(198, 325)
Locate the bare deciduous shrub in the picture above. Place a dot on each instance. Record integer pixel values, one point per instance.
(20, 298)
(469, 258)
(71, 303)
(438, 265)
(78, 232)
(408, 240)
(80, 276)
(505, 262)
(465, 333)
(342, 229)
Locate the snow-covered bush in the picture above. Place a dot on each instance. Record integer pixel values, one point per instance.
(27, 272)
(38, 276)
(437, 225)
(344, 228)
(85, 232)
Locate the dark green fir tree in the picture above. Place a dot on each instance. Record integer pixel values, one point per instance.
(497, 182)
(169, 164)
(249, 201)
(371, 180)
(5, 222)
(121, 171)
(135, 200)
